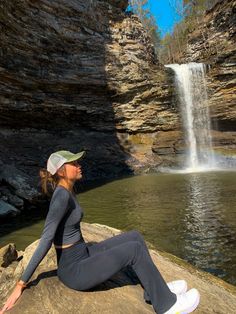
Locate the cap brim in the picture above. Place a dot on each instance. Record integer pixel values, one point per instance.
(76, 156)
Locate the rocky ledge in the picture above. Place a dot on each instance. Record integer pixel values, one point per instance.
(121, 294)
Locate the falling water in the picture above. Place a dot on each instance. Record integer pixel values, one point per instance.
(191, 86)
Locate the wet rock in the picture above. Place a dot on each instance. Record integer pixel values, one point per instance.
(213, 43)
(171, 145)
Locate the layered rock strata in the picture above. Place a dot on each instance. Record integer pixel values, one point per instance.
(213, 43)
(79, 75)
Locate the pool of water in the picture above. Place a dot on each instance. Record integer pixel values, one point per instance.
(190, 215)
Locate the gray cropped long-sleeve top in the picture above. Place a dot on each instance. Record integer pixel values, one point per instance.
(62, 226)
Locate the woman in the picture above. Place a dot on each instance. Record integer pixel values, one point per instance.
(82, 267)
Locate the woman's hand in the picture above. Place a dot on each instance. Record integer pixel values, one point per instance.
(12, 298)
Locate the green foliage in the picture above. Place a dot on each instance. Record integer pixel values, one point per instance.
(140, 7)
(192, 11)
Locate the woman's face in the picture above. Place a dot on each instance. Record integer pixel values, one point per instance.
(72, 171)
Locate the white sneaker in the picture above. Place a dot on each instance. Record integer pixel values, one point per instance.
(186, 302)
(178, 286)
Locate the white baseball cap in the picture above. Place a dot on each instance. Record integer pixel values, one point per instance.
(57, 159)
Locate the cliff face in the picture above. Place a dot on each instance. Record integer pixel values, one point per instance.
(81, 65)
(78, 75)
(213, 43)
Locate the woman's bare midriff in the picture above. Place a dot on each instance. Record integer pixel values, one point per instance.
(64, 246)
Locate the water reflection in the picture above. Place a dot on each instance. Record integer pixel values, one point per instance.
(192, 216)
(209, 241)
(189, 215)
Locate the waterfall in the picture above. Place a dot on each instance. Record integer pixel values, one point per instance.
(191, 87)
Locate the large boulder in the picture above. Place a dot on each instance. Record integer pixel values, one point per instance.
(120, 294)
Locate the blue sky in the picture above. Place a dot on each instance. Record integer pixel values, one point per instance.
(165, 15)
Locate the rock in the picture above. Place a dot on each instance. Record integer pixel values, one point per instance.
(54, 76)
(11, 198)
(120, 294)
(122, 4)
(172, 146)
(7, 209)
(8, 254)
(212, 42)
(20, 182)
(16, 201)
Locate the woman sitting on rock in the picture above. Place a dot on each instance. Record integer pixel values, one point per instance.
(82, 267)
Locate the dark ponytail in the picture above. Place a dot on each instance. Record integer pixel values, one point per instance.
(48, 181)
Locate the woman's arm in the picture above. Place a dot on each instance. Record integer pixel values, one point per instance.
(57, 209)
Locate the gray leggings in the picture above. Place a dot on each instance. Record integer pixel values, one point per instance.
(82, 267)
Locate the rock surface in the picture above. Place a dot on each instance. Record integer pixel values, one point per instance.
(7, 209)
(121, 294)
(79, 75)
(16, 191)
(8, 254)
(213, 42)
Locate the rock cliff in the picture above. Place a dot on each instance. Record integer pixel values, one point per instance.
(120, 294)
(213, 43)
(78, 75)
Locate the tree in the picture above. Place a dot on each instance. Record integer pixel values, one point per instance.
(192, 12)
(141, 8)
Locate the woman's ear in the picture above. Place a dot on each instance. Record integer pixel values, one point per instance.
(61, 171)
